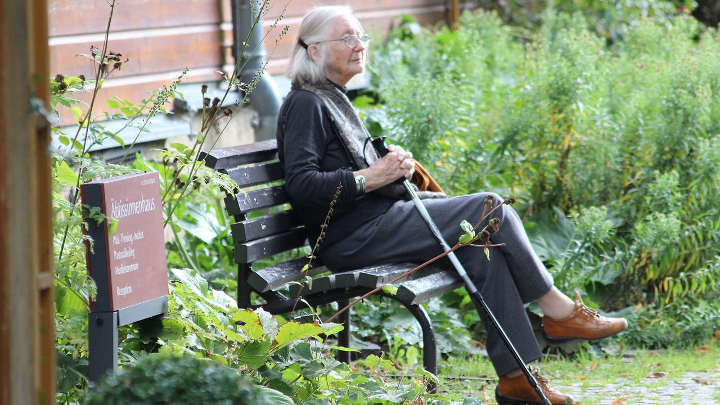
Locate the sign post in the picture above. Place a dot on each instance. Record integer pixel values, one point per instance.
(127, 261)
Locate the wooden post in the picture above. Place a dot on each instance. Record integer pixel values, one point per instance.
(454, 14)
(27, 342)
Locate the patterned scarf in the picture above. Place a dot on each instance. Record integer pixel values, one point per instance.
(354, 135)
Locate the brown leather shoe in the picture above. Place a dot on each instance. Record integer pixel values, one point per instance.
(517, 391)
(583, 324)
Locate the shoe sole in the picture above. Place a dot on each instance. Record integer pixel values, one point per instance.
(501, 400)
(560, 341)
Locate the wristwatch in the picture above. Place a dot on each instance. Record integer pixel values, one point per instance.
(360, 183)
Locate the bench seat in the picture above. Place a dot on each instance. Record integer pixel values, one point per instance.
(266, 227)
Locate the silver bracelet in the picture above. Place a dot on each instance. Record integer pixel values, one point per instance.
(360, 183)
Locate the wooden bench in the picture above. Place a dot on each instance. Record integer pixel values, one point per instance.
(260, 179)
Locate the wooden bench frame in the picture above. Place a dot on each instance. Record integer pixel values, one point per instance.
(260, 180)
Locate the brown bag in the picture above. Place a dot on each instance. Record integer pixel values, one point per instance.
(423, 180)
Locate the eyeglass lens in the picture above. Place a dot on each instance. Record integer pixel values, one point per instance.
(353, 40)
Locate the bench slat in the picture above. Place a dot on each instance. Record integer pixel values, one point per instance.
(223, 158)
(249, 252)
(422, 289)
(371, 277)
(276, 276)
(319, 284)
(262, 173)
(255, 200)
(349, 279)
(261, 227)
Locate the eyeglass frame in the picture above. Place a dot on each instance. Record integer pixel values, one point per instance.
(359, 40)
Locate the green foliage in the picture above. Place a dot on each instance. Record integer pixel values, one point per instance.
(387, 322)
(612, 150)
(607, 19)
(680, 324)
(180, 380)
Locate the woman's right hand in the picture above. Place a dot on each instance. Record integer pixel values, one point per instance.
(395, 165)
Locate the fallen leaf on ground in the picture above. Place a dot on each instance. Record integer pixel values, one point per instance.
(703, 349)
(620, 401)
(657, 374)
(703, 382)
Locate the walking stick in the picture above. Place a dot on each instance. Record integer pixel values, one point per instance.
(381, 148)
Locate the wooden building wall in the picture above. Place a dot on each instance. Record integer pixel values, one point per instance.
(162, 38)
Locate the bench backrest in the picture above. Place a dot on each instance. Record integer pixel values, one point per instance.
(261, 187)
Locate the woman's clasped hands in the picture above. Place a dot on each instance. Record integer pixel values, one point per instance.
(396, 164)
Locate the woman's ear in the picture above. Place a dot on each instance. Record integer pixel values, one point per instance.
(314, 53)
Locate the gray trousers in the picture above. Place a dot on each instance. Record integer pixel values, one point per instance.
(513, 276)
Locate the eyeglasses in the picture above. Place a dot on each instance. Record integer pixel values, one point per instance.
(351, 40)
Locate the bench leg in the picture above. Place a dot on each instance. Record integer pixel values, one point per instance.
(243, 289)
(429, 343)
(344, 335)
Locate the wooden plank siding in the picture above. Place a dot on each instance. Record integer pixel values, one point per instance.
(162, 38)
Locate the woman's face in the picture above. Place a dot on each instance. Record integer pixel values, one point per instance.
(343, 62)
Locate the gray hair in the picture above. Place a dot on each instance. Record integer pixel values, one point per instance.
(314, 28)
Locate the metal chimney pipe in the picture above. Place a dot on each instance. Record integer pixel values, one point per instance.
(265, 98)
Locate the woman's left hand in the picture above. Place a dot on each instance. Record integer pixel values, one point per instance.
(405, 159)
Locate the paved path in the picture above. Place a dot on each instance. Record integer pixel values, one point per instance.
(688, 388)
(691, 388)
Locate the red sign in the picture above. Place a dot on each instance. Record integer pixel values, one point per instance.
(127, 263)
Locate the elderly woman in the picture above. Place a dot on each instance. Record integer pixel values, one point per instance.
(322, 143)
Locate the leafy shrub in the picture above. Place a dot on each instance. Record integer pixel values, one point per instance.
(612, 150)
(608, 19)
(180, 380)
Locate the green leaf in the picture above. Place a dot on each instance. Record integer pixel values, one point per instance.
(275, 397)
(113, 103)
(77, 145)
(142, 164)
(293, 332)
(72, 80)
(253, 327)
(487, 253)
(66, 301)
(467, 238)
(363, 102)
(118, 140)
(254, 353)
(178, 146)
(332, 328)
(206, 226)
(389, 289)
(78, 113)
(66, 175)
(195, 282)
(268, 321)
(465, 225)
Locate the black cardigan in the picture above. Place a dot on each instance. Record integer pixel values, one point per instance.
(315, 162)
